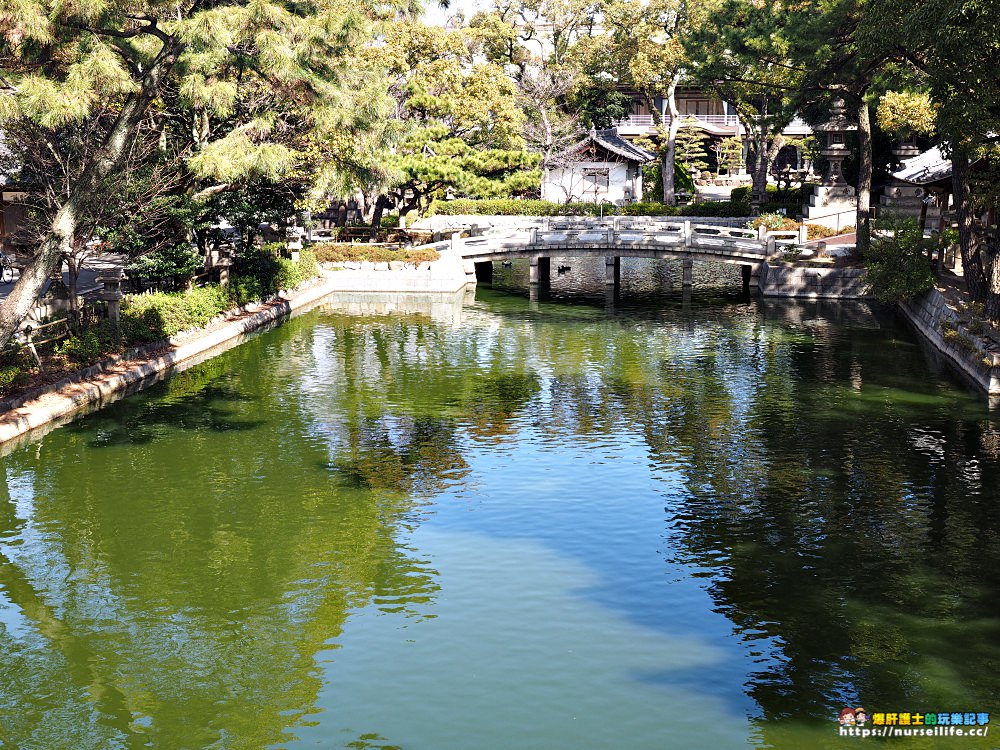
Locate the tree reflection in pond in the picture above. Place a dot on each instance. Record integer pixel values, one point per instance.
(178, 569)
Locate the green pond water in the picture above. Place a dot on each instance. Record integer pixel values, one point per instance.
(709, 523)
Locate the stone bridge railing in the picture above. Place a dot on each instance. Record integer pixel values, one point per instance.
(659, 236)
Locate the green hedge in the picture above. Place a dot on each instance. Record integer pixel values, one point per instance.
(164, 314)
(260, 274)
(511, 207)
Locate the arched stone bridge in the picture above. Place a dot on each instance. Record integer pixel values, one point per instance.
(618, 238)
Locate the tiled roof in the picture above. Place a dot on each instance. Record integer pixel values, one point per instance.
(610, 141)
(930, 166)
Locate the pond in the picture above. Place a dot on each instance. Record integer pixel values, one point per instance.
(707, 522)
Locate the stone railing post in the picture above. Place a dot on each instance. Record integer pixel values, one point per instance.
(803, 234)
(687, 234)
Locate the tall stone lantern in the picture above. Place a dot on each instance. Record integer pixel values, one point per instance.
(834, 201)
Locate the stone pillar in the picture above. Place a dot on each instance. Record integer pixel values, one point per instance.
(469, 266)
(539, 271)
(612, 270)
(687, 272)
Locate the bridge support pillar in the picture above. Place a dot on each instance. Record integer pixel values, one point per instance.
(687, 272)
(470, 271)
(539, 271)
(612, 270)
(751, 274)
(484, 272)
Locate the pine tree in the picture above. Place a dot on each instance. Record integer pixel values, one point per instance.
(246, 79)
(691, 147)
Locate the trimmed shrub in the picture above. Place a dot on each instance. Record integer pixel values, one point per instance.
(258, 273)
(309, 265)
(512, 207)
(167, 313)
(774, 222)
(340, 253)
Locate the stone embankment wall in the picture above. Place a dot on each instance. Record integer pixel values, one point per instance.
(779, 280)
(957, 338)
(446, 275)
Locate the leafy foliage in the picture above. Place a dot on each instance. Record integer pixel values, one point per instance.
(898, 264)
(181, 261)
(903, 113)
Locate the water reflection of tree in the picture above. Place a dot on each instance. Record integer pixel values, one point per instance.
(859, 554)
(179, 587)
(222, 532)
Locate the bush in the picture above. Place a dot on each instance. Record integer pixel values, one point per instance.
(819, 232)
(288, 275)
(340, 253)
(897, 264)
(774, 222)
(12, 377)
(258, 273)
(741, 196)
(510, 207)
(309, 265)
(776, 207)
(166, 314)
(85, 347)
(179, 262)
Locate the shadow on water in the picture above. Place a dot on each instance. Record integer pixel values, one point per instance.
(138, 422)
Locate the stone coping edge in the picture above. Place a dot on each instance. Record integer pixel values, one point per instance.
(99, 383)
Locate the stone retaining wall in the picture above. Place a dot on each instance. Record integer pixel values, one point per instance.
(780, 280)
(446, 275)
(940, 324)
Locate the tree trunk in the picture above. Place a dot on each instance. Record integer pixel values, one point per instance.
(88, 187)
(73, 262)
(972, 261)
(758, 192)
(670, 152)
(380, 206)
(863, 223)
(992, 253)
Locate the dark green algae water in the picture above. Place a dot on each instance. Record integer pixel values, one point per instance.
(709, 524)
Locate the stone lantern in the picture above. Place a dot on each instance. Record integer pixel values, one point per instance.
(834, 200)
(836, 129)
(112, 293)
(293, 240)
